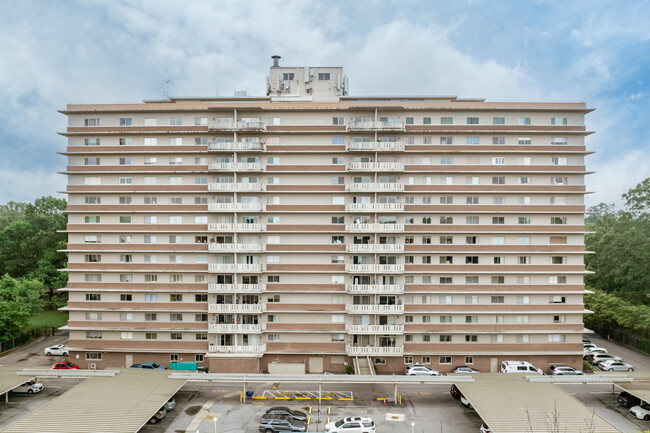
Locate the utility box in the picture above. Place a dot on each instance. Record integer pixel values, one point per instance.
(184, 366)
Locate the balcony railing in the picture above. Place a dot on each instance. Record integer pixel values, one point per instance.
(375, 248)
(232, 248)
(374, 351)
(236, 328)
(377, 146)
(382, 289)
(237, 126)
(374, 329)
(374, 309)
(235, 288)
(232, 146)
(235, 267)
(236, 166)
(375, 228)
(374, 126)
(379, 187)
(251, 351)
(236, 187)
(236, 308)
(376, 166)
(235, 207)
(375, 268)
(235, 227)
(375, 207)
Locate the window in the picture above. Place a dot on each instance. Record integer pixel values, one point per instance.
(445, 199)
(92, 161)
(323, 76)
(338, 120)
(471, 140)
(471, 319)
(557, 239)
(556, 338)
(524, 141)
(496, 299)
(559, 141)
(445, 319)
(523, 240)
(93, 278)
(498, 220)
(445, 338)
(558, 120)
(125, 199)
(445, 299)
(126, 121)
(338, 318)
(93, 199)
(498, 140)
(426, 338)
(523, 220)
(498, 160)
(524, 260)
(93, 297)
(471, 220)
(92, 122)
(409, 121)
(471, 240)
(471, 279)
(524, 180)
(498, 180)
(91, 141)
(498, 338)
(446, 140)
(498, 120)
(126, 317)
(446, 160)
(93, 239)
(126, 297)
(472, 120)
(524, 120)
(497, 279)
(94, 335)
(93, 258)
(446, 120)
(471, 260)
(125, 161)
(126, 335)
(338, 337)
(471, 338)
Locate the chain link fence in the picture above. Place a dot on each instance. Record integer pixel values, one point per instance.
(26, 337)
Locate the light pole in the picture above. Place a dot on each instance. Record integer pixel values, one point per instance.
(215, 423)
(412, 427)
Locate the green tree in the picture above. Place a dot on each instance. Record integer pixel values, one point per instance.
(19, 299)
(637, 200)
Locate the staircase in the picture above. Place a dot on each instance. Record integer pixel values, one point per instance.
(363, 366)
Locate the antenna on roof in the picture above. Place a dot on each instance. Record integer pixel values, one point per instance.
(166, 89)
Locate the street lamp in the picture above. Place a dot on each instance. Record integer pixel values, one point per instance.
(215, 423)
(412, 427)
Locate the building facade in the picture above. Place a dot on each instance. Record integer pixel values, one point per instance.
(309, 230)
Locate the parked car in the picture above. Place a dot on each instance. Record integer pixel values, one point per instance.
(626, 399)
(587, 352)
(149, 366)
(420, 370)
(595, 358)
(171, 404)
(465, 402)
(158, 416)
(31, 387)
(455, 392)
(485, 429)
(283, 410)
(519, 367)
(464, 369)
(281, 423)
(563, 370)
(352, 424)
(58, 350)
(65, 365)
(612, 365)
(641, 411)
(585, 340)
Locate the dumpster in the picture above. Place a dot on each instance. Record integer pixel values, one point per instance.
(183, 366)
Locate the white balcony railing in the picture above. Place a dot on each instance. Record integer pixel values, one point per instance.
(374, 309)
(382, 289)
(232, 248)
(379, 187)
(236, 187)
(251, 126)
(377, 146)
(231, 125)
(236, 308)
(232, 146)
(375, 268)
(236, 328)
(375, 248)
(376, 166)
(234, 227)
(235, 267)
(371, 126)
(235, 207)
(375, 228)
(375, 207)
(374, 329)
(235, 166)
(235, 288)
(250, 351)
(374, 351)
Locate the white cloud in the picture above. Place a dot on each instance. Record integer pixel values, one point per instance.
(616, 175)
(27, 185)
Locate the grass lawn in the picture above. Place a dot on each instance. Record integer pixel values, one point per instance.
(49, 318)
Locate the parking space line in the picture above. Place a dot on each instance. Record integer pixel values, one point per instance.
(200, 416)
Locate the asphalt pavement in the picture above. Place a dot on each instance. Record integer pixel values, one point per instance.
(640, 360)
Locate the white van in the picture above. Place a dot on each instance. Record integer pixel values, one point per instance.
(519, 367)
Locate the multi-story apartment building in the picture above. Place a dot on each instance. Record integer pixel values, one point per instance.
(308, 227)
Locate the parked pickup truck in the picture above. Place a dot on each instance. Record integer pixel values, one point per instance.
(149, 366)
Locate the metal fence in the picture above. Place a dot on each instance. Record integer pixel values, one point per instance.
(26, 337)
(637, 340)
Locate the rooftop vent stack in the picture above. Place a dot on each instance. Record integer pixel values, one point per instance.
(307, 74)
(276, 60)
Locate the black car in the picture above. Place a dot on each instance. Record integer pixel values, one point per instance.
(626, 399)
(455, 392)
(284, 410)
(281, 423)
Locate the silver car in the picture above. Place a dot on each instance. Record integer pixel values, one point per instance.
(421, 370)
(611, 365)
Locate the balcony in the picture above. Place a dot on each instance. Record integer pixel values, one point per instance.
(375, 207)
(375, 166)
(239, 351)
(374, 228)
(375, 269)
(236, 126)
(234, 147)
(375, 187)
(236, 166)
(375, 248)
(235, 288)
(236, 187)
(374, 309)
(374, 351)
(374, 329)
(235, 207)
(235, 267)
(235, 248)
(234, 227)
(376, 126)
(233, 328)
(377, 146)
(371, 289)
(236, 308)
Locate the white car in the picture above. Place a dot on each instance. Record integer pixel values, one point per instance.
(485, 429)
(420, 370)
(590, 350)
(58, 350)
(641, 412)
(465, 402)
(31, 387)
(352, 424)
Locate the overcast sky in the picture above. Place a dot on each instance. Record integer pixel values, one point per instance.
(59, 52)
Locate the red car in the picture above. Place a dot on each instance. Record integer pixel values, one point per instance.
(65, 365)
(455, 392)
